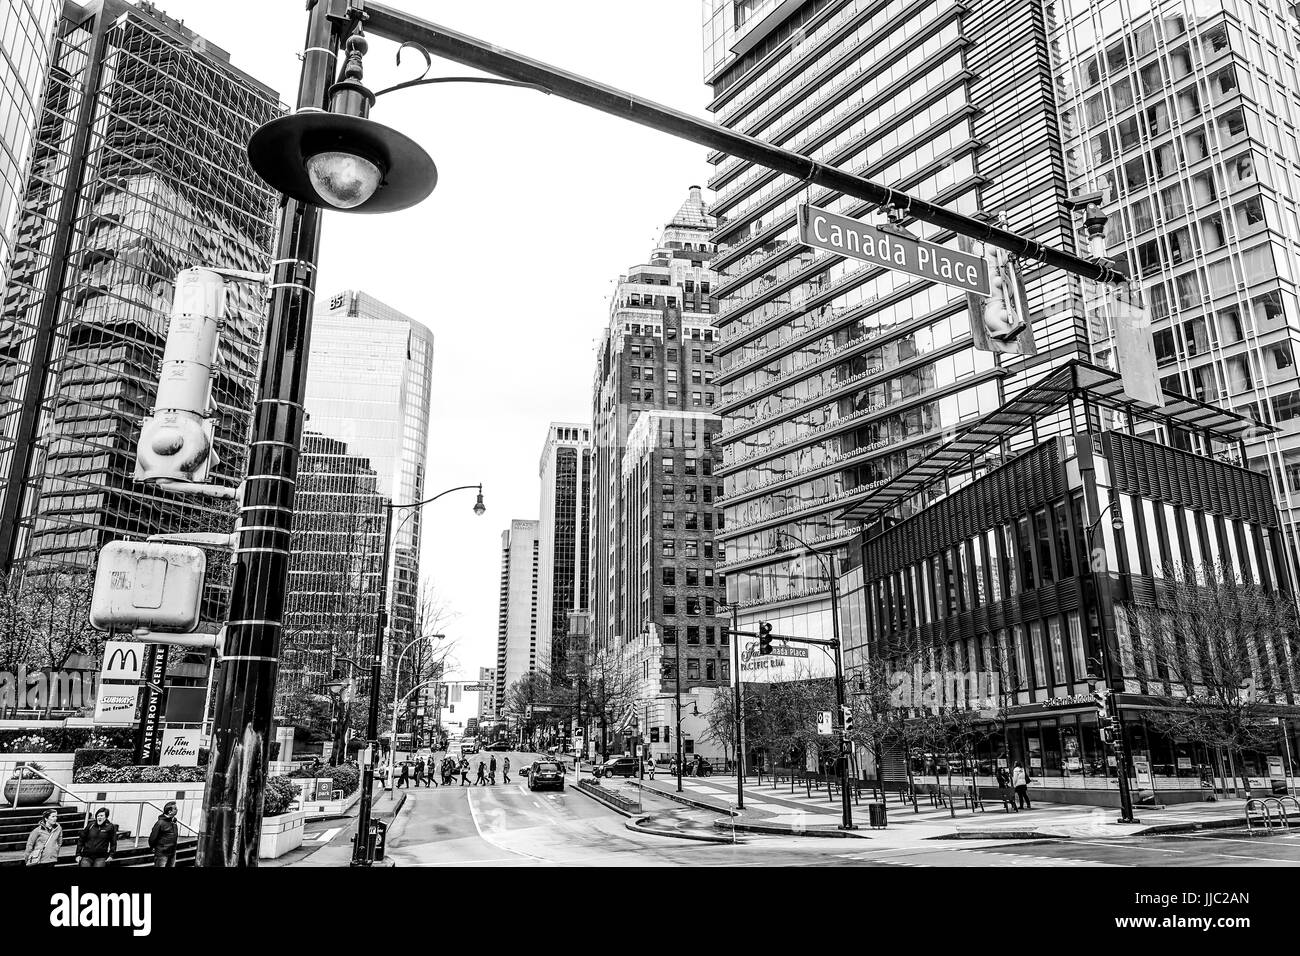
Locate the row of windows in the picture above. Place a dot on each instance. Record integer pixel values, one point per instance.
(693, 577)
(694, 633)
(691, 521)
(690, 493)
(691, 548)
(690, 465)
(648, 352)
(712, 670)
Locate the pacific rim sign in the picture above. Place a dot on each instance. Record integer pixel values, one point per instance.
(926, 260)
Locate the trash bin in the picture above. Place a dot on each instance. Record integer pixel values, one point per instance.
(877, 816)
(376, 840)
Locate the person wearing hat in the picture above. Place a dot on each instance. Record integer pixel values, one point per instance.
(98, 842)
(163, 838)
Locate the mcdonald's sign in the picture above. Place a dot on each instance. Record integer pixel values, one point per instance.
(123, 661)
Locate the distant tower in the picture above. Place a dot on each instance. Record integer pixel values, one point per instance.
(565, 471)
(517, 617)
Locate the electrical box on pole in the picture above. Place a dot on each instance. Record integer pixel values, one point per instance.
(176, 439)
(147, 586)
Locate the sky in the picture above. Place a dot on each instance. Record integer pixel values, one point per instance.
(540, 205)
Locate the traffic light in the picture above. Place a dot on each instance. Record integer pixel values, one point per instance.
(176, 439)
(764, 638)
(846, 713)
(1102, 696)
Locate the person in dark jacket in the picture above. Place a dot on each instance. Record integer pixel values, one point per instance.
(98, 842)
(505, 770)
(464, 771)
(163, 838)
(405, 779)
(482, 769)
(43, 843)
(419, 771)
(492, 771)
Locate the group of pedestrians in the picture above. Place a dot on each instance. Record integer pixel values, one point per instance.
(448, 770)
(97, 842)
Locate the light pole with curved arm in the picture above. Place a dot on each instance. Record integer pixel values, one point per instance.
(397, 682)
(827, 562)
(361, 842)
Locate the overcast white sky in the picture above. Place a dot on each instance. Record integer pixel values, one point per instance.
(540, 205)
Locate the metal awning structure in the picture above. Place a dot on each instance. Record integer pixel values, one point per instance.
(1074, 380)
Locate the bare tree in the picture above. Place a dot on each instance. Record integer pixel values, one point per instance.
(1224, 649)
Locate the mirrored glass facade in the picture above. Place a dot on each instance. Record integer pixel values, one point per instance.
(1186, 116)
(26, 36)
(338, 543)
(139, 170)
(835, 373)
(368, 385)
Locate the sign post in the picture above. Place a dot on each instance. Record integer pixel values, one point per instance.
(149, 737)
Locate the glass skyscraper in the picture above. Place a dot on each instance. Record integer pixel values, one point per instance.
(563, 583)
(138, 171)
(517, 613)
(1185, 115)
(837, 374)
(26, 36)
(338, 543)
(368, 385)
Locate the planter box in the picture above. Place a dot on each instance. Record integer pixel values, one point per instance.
(58, 767)
(316, 809)
(136, 806)
(281, 833)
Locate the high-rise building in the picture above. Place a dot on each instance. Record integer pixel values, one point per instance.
(487, 699)
(670, 576)
(139, 170)
(562, 579)
(25, 46)
(368, 385)
(836, 374)
(517, 618)
(1184, 115)
(656, 353)
(338, 542)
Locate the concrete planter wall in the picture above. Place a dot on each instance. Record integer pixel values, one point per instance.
(135, 807)
(281, 833)
(315, 809)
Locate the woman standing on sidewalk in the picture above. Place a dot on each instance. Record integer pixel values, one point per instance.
(43, 843)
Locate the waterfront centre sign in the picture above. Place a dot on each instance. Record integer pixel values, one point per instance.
(926, 260)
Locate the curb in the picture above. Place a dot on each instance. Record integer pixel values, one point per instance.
(639, 826)
(781, 830)
(603, 802)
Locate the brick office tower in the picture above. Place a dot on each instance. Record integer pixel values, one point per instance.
(138, 171)
(656, 355)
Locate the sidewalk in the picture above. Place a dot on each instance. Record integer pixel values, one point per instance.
(777, 810)
(387, 804)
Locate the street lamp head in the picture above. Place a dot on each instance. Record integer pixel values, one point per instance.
(479, 507)
(336, 683)
(782, 542)
(347, 163)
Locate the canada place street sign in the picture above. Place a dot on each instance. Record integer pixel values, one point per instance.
(926, 260)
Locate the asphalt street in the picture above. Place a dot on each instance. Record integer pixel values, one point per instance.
(507, 825)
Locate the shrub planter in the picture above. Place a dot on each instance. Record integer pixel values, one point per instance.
(281, 833)
(58, 767)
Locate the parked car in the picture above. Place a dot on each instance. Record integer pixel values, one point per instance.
(617, 767)
(545, 773)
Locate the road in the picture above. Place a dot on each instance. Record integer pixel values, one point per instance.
(507, 825)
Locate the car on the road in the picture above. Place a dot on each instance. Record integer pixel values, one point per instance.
(497, 745)
(616, 767)
(545, 773)
(468, 747)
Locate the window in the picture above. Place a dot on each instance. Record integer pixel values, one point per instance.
(669, 576)
(726, 671)
(692, 673)
(724, 636)
(693, 605)
(1078, 657)
(670, 605)
(711, 670)
(1064, 553)
(692, 577)
(693, 548)
(1058, 650)
(692, 465)
(667, 520)
(709, 634)
(667, 492)
(692, 521)
(672, 355)
(669, 547)
(693, 633)
(670, 633)
(1043, 534)
(636, 373)
(672, 398)
(1039, 654)
(1026, 552)
(697, 398)
(668, 464)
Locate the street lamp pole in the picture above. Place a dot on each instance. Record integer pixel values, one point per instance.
(361, 841)
(677, 693)
(397, 682)
(231, 826)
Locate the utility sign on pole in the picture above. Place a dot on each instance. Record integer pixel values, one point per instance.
(824, 724)
(893, 250)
